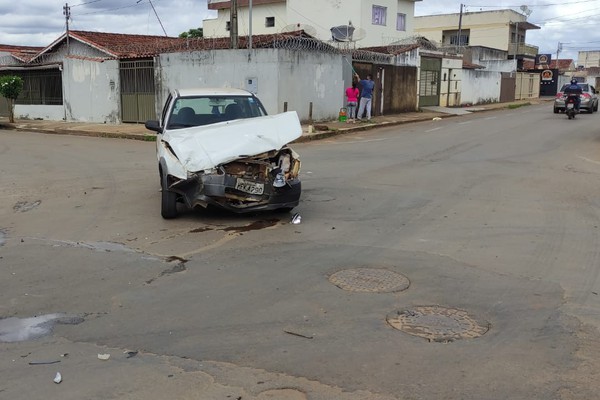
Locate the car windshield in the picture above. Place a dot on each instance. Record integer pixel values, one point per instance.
(206, 110)
(584, 87)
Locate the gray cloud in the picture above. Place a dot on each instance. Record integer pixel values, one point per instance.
(39, 23)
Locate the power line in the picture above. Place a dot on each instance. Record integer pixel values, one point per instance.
(537, 5)
(83, 4)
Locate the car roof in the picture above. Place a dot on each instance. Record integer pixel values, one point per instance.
(188, 92)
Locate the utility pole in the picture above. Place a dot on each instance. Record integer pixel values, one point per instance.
(516, 45)
(234, 24)
(67, 14)
(558, 50)
(460, 27)
(250, 25)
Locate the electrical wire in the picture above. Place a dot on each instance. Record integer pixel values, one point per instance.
(83, 4)
(536, 5)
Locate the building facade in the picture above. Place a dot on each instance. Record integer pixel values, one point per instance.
(587, 59)
(504, 30)
(373, 23)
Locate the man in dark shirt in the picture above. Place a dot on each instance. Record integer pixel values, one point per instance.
(366, 96)
(574, 90)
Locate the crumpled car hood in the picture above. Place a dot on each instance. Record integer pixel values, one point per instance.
(205, 147)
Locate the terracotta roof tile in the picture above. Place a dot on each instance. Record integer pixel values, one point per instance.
(563, 64)
(23, 53)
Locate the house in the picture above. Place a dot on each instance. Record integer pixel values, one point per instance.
(503, 30)
(371, 23)
(14, 56)
(89, 77)
(114, 78)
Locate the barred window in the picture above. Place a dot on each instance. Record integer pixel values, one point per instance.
(42, 87)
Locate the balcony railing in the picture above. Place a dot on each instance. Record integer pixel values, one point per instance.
(523, 49)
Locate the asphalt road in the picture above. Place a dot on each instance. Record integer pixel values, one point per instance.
(494, 216)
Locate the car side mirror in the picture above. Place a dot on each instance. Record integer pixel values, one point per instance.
(153, 125)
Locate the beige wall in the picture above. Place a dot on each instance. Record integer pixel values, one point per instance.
(589, 59)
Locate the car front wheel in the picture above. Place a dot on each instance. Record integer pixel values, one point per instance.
(168, 201)
(555, 110)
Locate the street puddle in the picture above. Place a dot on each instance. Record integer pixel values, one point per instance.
(254, 226)
(21, 329)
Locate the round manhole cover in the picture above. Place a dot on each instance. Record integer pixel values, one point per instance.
(369, 280)
(437, 324)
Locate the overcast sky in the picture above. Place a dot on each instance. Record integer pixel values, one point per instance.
(576, 23)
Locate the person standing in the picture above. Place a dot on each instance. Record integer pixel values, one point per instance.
(366, 95)
(351, 102)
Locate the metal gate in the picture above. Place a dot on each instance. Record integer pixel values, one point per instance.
(138, 98)
(507, 87)
(429, 82)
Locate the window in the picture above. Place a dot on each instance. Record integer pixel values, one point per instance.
(379, 15)
(464, 40)
(40, 87)
(401, 22)
(228, 25)
(269, 22)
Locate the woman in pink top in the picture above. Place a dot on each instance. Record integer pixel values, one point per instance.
(352, 100)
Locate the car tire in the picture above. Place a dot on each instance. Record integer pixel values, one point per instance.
(596, 107)
(168, 201)
(556, 110)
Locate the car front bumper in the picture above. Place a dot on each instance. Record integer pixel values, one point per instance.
(220, 190)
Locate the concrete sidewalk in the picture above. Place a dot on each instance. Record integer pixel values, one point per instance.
(315, 131)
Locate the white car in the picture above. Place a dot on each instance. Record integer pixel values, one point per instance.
(218, 147)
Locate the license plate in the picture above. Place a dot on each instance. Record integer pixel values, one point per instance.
(249, 186)
(570, 105)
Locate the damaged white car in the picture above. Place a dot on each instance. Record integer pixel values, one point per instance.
(218, 147)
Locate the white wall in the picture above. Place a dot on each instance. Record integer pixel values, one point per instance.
(216, 27)
(322, 16)
(498, 65)
(480, 87)
(91, 90)
(297, 78)
(52, 113)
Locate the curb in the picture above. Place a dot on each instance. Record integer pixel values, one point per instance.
(72, 132)
(337, 132)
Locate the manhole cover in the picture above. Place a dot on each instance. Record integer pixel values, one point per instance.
(437, 324)
(369, 280)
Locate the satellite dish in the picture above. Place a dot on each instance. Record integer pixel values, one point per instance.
(347, 33)
(308, 29)
(526, 10)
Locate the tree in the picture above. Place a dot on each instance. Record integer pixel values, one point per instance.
(10, 87)
(192, 33)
